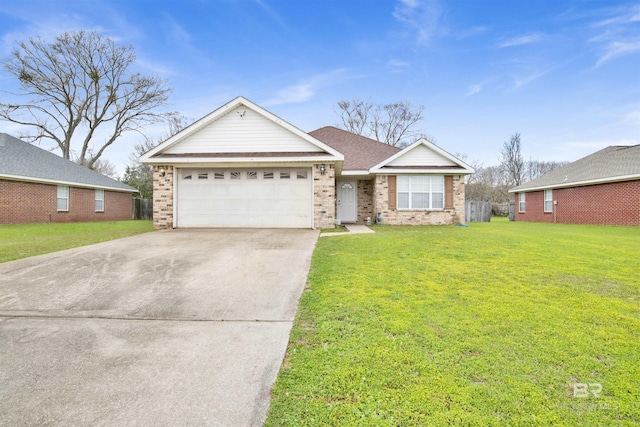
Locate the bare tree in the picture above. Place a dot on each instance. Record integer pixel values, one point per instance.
(512, 161)
(536, 168)
(389, 123)
(77, 90)
(139, 175)
(355, 115)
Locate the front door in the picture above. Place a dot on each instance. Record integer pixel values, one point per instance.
(347, 201)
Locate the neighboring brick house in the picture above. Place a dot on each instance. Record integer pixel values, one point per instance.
(602, 188)
(38, 186)
(242, 166)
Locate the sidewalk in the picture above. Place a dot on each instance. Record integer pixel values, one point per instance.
(353, 229)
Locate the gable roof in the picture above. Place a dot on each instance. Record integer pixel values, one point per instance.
(611, 164)
(21, 161)
(360, 153)
(423, 156)
(307, 148)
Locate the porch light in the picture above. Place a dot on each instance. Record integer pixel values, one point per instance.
(162, 172)
(322, 169)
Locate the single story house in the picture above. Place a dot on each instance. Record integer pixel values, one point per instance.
(38, 186)
(602, 188)
(242, 166)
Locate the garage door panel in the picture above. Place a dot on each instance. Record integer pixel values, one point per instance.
(251, 200)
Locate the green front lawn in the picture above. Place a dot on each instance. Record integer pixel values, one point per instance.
(494, 324)
(25, 240)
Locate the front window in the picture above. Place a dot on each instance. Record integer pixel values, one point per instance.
(548, 200)
(63, 198)
(420, 192)
(521, 202)
(99, 199)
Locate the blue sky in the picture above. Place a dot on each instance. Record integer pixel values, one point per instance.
(564, 74)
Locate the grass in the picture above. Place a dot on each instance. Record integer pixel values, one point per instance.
(25, 240)
(488, 325)
(335, 229)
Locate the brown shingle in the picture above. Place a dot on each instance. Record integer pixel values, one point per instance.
(607, 164)
(360, 153)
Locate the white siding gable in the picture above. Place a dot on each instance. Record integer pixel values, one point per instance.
(421, 156)
(242, 130)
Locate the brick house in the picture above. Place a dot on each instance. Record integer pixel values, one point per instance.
(38, 186)
(602, 188)
(242, 166)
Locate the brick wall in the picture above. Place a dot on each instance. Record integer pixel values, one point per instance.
(418, 217)
(26, 202)
(163, 197)
(365, 201)
(324, 196)
(616, 203)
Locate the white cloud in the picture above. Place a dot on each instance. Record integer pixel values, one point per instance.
(616, 49)
(420, 17)
(522, 40)
(397, 65)
(305, 90)
(475, 88)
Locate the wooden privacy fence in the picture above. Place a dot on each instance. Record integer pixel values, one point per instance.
(142, 209)
(476, 211)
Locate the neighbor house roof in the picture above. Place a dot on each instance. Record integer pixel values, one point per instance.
(360, 153)
(22, 161)
(614, 163)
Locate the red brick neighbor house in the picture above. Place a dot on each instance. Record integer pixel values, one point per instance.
(602, 188)
(242, 166)
(38, 186)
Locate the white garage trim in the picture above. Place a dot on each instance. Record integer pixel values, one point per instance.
(279, 197)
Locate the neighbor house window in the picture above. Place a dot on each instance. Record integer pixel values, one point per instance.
(63, 198)
(420, 191)
(302, 175)
(285, 175)
(218, 175)
(252, 175)
(521, 202)
(203, 175)
(99, 198)
(267, 175)
(548, 200)
(236, 175)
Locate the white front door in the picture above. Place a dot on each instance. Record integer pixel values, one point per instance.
(347, 201)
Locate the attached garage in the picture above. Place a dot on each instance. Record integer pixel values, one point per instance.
(235, 197)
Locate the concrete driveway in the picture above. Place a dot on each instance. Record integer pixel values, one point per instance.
(181, 327)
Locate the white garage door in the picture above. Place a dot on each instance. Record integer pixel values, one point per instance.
(245, 198)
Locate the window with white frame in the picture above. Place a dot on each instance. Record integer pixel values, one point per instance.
(521, 202)
(99, 199)
(420, 191)
(63, 198)
(548, 200)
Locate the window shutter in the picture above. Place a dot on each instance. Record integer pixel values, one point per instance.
(448, 192)
(391, 179)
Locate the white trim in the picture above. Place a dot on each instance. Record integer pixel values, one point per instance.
(578, 183)
(68, 183)
(209, 160)
(216, 114)
(355, 173)
(426, 171)
(466, 168)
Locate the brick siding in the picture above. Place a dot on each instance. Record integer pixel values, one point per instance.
(27, 202)
(616, 203)
(324, 196)
(365, 201)
(163, 197)
(418, 217)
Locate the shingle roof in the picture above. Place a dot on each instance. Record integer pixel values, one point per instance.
(360, 153)
(21, 160)
(613, 163)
